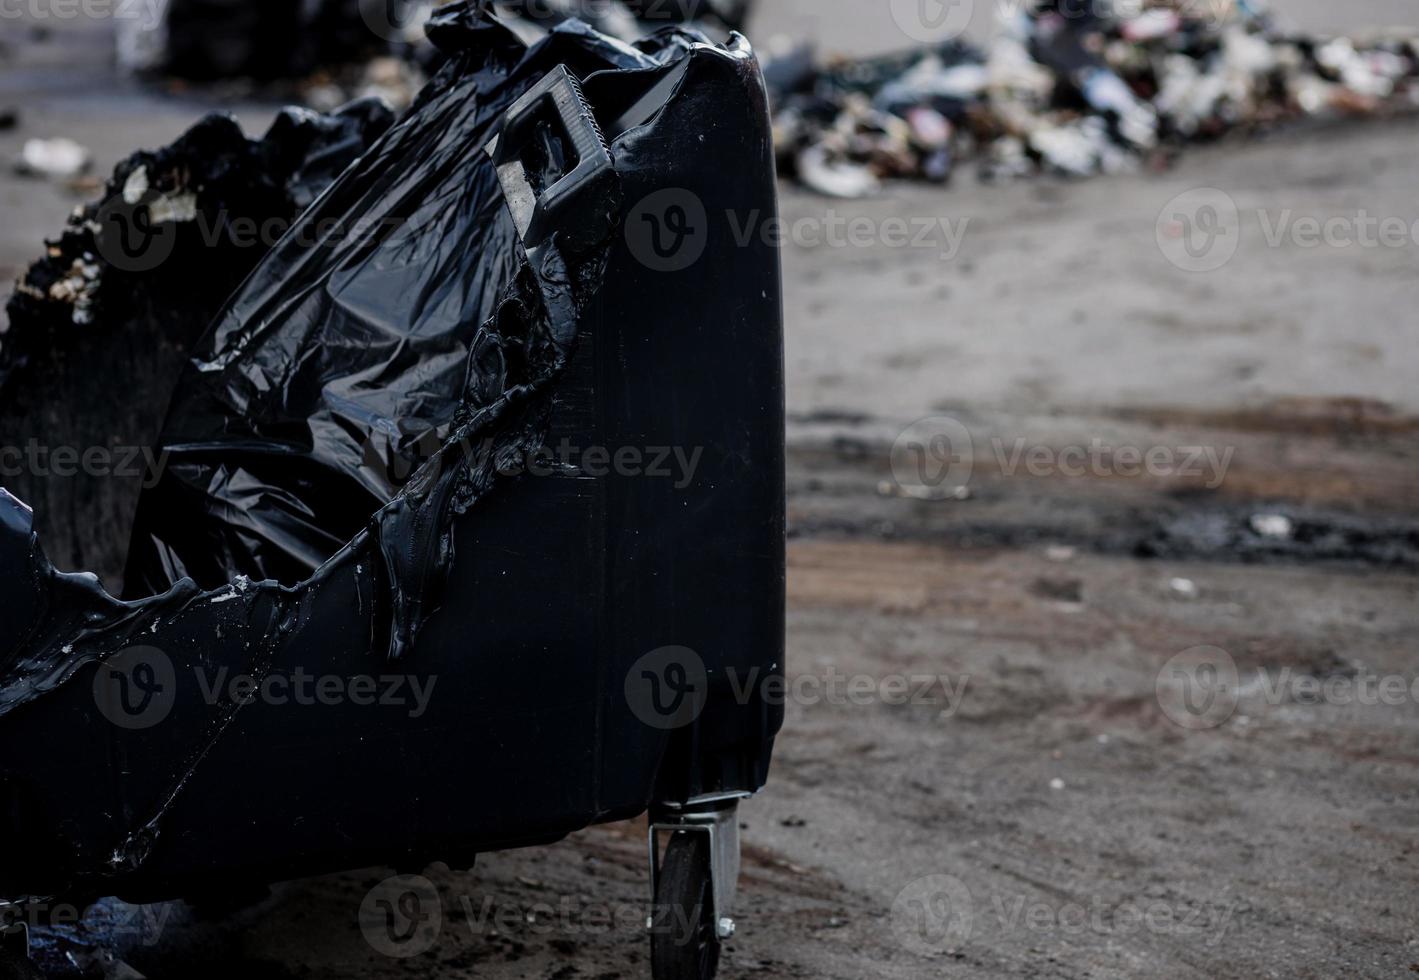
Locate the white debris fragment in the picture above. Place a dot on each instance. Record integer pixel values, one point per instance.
(61, 158)
(1067, 150)
(77, 289)
(1150, 25)
(1184, 587)
(1275, 526)
(135, 186)
(1056, 784)
(835, 178)
(173, 207)
(935, 493)
(1356, 72)
(165, 207)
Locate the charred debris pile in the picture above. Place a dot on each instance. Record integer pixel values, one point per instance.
(1062, 89)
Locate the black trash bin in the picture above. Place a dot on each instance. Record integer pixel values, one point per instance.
(566, 524)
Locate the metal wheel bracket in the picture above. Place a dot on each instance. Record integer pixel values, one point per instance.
(717, 816)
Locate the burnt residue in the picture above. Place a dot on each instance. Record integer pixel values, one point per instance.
(839, 487)
(1237, 535)
(166, 239)
(100, 326)
(1225, 534)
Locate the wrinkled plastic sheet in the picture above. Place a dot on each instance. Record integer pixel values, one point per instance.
(1072, 89)
(403, 301)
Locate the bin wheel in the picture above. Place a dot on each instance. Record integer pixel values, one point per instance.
(684, 944)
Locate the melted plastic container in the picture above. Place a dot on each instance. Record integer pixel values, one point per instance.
(348, 495)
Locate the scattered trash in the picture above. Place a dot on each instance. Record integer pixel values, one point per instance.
(891, 488)
(1314, 537)
(1185, 587)
(1060, 553)
(1277, 526)
(1070, 94)
(60, 158)
(212, 171)
(1056, 784)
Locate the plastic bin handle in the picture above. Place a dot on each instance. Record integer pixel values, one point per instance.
(538, 216)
